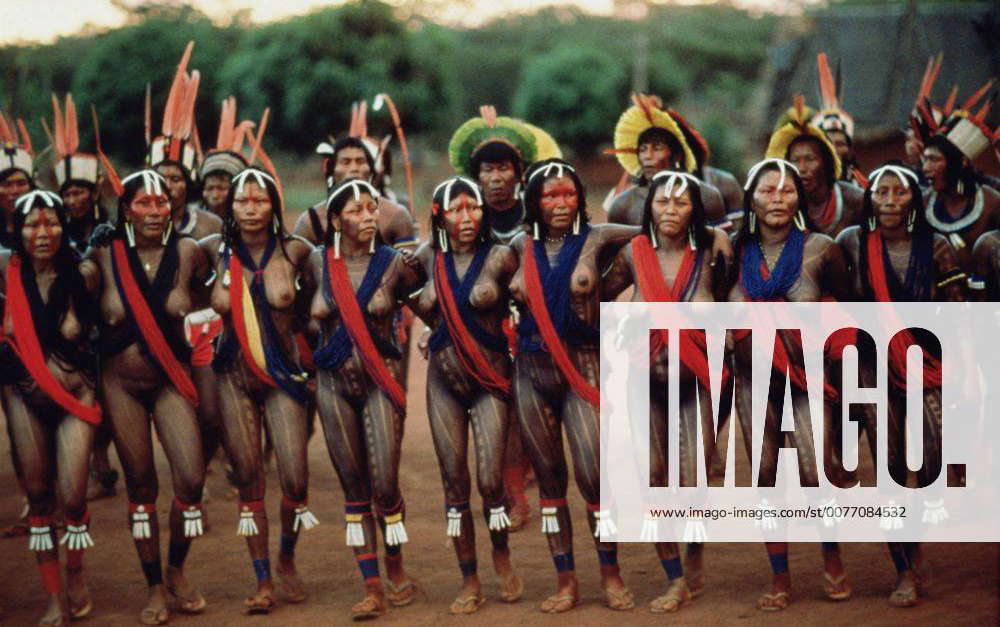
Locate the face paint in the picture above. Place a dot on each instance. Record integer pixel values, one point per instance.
(775, 199)
(252, 207)
(42, 233)
(558, 202)
(463, 217)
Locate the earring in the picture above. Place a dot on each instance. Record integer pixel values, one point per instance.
(800, 221)
(691, 238)
(576, 224)
(652, 235)
(443, 240)
(275, 227)
(960, 188)
(752, 222)
(129, 234)
(371, 245)
(97, 212)
(535, 228)
(911, 219)
(166, 232)
(336, 244)
(871, 223)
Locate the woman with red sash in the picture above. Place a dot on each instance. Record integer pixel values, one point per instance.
(781, 259)
(558, 288)
(675, 242)
(262, 293)
(147, 277)
(361, 402)
(468, 375)
(49, 397)
(895, 256)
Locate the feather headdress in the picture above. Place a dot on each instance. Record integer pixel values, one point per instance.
(226, 156)
(797, 124)
(645, 113)
(177, 134)
(831, 116)
(489, 128)
(15, 147)
(71, 165)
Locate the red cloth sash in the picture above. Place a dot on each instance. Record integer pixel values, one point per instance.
(151, 333)
(901, 341)
(354, 321)
(24, 341)
(469, 353)
(535, 299)
(654, 290)
(236, 292)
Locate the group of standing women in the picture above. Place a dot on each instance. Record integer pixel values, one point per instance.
(123, 331)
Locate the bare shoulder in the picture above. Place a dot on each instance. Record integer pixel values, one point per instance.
(298, 248)
(721, 242)
(214, 221)
(517, 244)
(851, 192)
(210, 246)
(819, 243)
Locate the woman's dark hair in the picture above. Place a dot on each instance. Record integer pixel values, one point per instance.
(459, 186)
(920, 224)
(66, 260)
(339, 202)
(744, 235)
(231, 230)
(703, 237)
(535, 180)
(829, 169)
(9, 171)
(955, 170)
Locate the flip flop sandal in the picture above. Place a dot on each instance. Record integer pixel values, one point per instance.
(696, 584)
(836, 588)
(195, 604)
(619, 600)
(401, 595)
(291, 595)
(467, 605)
(259, 605)
(677, 595)
(81, 611)
(149, 616)
(368, 608)
(905, 594)
(511, 589)
(777, 601)
(555, 604)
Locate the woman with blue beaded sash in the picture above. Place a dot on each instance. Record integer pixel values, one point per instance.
(361, 283)
(781, 259)
(895, 256)
(262, 292)
(558, 288)
(468, 376)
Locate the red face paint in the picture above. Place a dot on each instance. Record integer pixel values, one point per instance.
(147, 205)
(559, 202)
(463, 217)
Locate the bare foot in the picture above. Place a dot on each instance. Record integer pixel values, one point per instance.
(291, 584)
(80, 604)
(190, 599)
(777, 596)
(694, 572)
(563, 600)
(263, 601)
(155, 612)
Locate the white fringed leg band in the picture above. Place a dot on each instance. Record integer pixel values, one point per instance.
(395, 531)
(141, 515)
(694, 531)
(247, 526)
(355, 530)
(77, 536)
(498, 518)
(304, 518)
(454, 515)
(40, 530)
(605, 526)
(194, 525)
(550, 522)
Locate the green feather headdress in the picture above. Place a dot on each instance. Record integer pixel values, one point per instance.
(489, 128)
